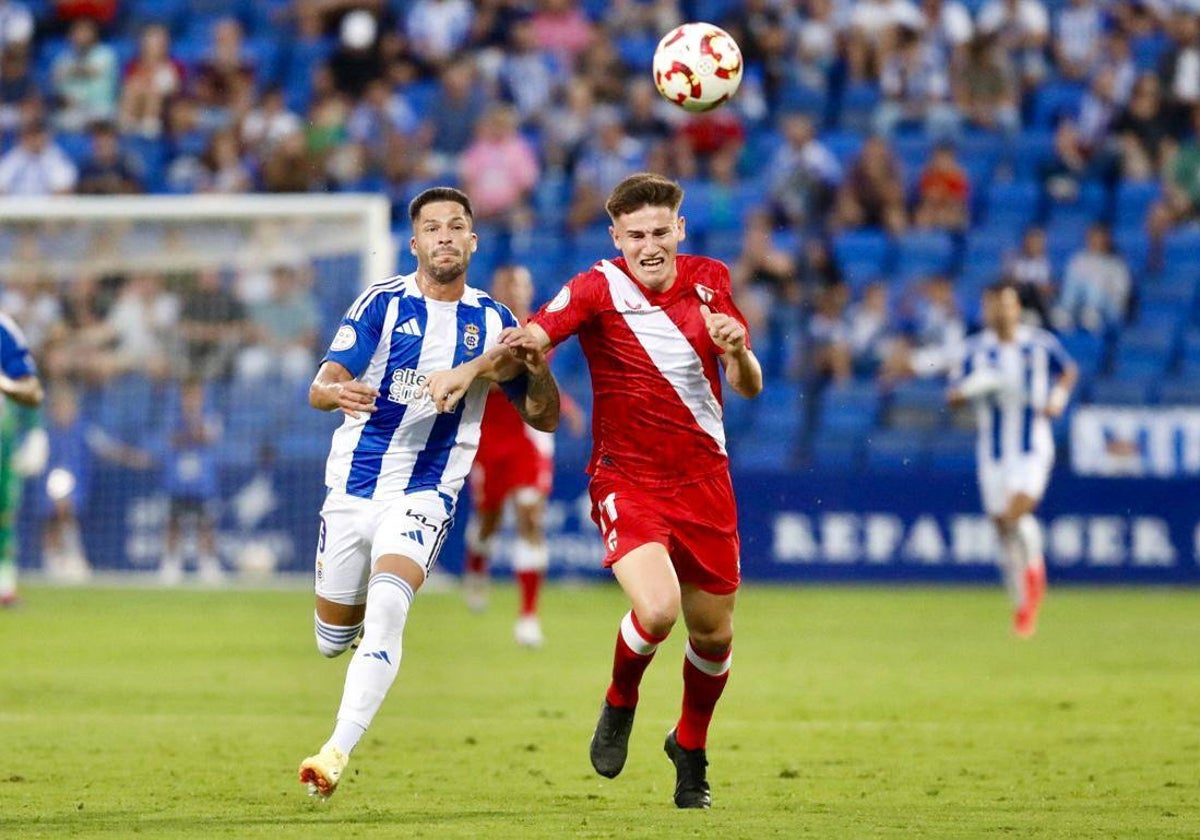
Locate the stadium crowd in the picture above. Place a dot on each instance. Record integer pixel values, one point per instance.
(883, 161)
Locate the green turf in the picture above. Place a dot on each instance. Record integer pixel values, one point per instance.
(851, 713)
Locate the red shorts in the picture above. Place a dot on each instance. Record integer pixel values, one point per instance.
(696, 522)
(499, 472)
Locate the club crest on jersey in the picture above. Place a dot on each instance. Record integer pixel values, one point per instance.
(706, 294)
(560, 300)
(471, 336)
(344, 339)
(406, 387)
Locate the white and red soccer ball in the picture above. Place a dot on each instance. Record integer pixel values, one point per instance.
(697, 66)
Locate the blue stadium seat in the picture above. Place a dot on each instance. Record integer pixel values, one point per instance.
(951, 450)
(1055, 100)
(851, 408)
(917, 405)
(1133, 201)
(1086, 349)
(1140, 363)
(859, 102)
(1189, 361)
(922, 253)
(1181, 245)
(894, 450)
(836, 451)
(1179, 392)
(1034, 147)
(1110, 391)
(844, 145)
(1011, 205)
(864, 246)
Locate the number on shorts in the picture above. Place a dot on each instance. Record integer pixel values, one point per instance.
(321, 537)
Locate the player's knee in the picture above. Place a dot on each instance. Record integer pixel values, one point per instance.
(712, 642)
(658, 615)
(333, 639)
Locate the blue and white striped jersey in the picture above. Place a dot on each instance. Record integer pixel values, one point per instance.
(1012, 419)
(393, 337)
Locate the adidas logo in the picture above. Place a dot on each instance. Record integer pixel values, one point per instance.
(409, 327)
(416, 536)
(380, 655)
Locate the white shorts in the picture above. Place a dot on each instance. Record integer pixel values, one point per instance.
(356, 532)
(1026, 474)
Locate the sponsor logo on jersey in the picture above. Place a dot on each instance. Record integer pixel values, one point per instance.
(407, 387)
(560, 300)
(471, 336)
(706, 294)
(344, 339)
(409, 327)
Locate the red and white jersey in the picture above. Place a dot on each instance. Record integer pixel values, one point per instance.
(657, 416)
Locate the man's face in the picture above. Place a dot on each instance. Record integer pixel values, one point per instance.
(649, 240)
(1004, 311)
(443, 241)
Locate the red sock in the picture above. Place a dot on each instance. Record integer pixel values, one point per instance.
(476, 563)
(635, 649)
(704, 678)
(529, 583)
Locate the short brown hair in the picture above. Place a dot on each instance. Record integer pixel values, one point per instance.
(433, 194)
(645, 189)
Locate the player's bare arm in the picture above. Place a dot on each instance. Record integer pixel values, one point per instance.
(541, 406)
(334, 388)
(742, 370)
(1060, 394)
(446, 388)
(27, 390)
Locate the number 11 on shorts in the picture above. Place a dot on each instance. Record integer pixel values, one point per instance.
(607, 510)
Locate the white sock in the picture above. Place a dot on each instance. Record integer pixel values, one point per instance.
(377, 660)
(1012, 566)
(1030, 532)
(529, 556)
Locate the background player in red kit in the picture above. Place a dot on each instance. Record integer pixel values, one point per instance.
(655, 326)
(514, 461)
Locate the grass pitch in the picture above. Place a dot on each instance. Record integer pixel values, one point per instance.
(851, 713)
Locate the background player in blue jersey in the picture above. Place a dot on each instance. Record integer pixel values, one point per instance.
(19, 383)
(1018, 378)
(410, 367)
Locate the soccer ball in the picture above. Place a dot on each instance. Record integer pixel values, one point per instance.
(697, 66)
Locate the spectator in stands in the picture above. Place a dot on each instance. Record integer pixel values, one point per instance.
(1181, 192)
(288, 167)
(108, 170)
(377, 119)
(816, 54)
(1116, 56)
(985, 87)
(357, 58)
(872, 194)
(283, 329)
(712, 132)
(1096, 286)
(931, 341)
(943, 192)
(499, 170)
(224, 169)
(1143, 132)
(764, 29)
(16, 26)
(869, 324)
(817, 268)
(1030, 270)
(438, 29)
(1022, 30)
(141, 325)
(601, 67)
(1078, 39)
(212, 325)
(609, 157)
(529, 75)
(570, 125)
(1070, 164)
(948, 28)
(1180, 67)
(564, 28)
(767, 290)
(450, 128)
(150, 80)
(644, 109)
(225, 76)
(916, 86)
(17, 86)
(268, 123)
(85, 78)
(871, 36)
(802, 175)
(36, 165)
(830, 353)
(103, 12)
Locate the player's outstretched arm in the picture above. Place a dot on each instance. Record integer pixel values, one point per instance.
(1060, 394)
(27, 390)
(334, 387)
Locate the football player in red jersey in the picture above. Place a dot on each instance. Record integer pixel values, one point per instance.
(656, 327)
(514, 461)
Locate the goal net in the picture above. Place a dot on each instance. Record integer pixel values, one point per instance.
(176, 336)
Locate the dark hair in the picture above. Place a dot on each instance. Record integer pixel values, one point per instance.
(998, 286)
(645, 189)
(439, 194)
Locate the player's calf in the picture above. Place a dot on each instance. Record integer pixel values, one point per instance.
(335, 639)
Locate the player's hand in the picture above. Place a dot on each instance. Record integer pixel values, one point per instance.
(526, 349)
(446, 388)
(354, 396)
(725, 332)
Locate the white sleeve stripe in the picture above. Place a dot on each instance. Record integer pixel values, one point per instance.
(364, 300)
